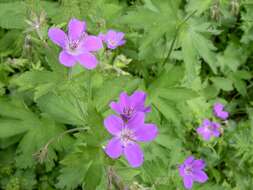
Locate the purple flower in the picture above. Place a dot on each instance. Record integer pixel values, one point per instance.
(126, 136)
(209, 129)
(191, 170)
(76, 45)
(113, 39)
(219, 112)
(128, 106)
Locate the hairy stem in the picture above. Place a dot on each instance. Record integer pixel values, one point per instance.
(42, 153)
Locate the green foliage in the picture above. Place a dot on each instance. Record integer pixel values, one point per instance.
(186, 55)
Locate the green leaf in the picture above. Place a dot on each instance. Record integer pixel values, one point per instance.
(168, 109)
(197, 44)
(82, 167)
(9, 128)
(233, 57)
(39, 135)
(168, 78)
(12, 15)
(199, 5)
(152, 17)
(177, 94)
(111, 88)
(94, 175)
(223, 83)
(64, 108)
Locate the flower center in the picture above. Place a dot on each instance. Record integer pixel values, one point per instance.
(112, 42)
(188, 170)
(208, 128)
(73, 45)
(127, 113)
(126, 136)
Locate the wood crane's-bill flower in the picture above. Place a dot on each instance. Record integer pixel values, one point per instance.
(128, 106)
(219, 112)
(113, 39)
(126, 137)
(192, 170)
(77, 45)
(209, 129)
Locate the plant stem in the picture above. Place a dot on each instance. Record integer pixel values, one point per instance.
(89, 87)
(70, 73)
(42, 153)
(175, 36)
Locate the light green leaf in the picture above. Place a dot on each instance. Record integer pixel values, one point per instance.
(12, 15)
(222, 83)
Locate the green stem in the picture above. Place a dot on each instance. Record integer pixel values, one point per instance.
(89, 87)
(43, 152)
(175, 36)
(70, 73)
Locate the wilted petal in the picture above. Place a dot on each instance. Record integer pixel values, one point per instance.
(200, 176)
(66, 59)
(188, 182)
(114, 148)
(57, 36)
(134, 155)
(92, 43)
(116, 107)
(113, 124)
(76, 28)
(88, 60)
(136, 121)
(146, 132)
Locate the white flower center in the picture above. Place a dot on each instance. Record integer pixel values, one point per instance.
(126, 136)
(188, 170)
(112, 42)
(208, 128)
(74, 47)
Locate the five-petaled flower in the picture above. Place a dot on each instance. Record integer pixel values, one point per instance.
(126, 137)
(128, 106)
(192, 170)
(113, 39)
(209, 129)
(77, 46)
(219, 112)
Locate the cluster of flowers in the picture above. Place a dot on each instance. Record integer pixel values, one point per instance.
(78, 46)
(209, 129)
(192, 170)
(129, 127)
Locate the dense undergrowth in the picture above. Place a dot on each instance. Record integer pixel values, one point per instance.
(186, 55)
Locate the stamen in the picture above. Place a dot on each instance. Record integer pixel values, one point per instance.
(126, 136)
